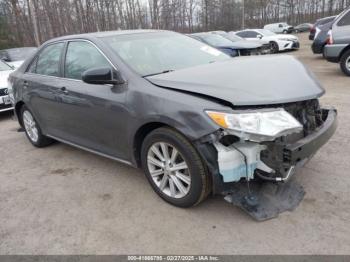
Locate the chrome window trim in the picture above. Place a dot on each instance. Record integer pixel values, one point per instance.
(68, 41)
(38, 54)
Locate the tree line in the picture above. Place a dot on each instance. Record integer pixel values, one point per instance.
(32, 22)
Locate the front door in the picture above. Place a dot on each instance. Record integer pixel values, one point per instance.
(93, 115)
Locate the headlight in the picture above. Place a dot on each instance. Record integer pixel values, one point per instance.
(257, 126)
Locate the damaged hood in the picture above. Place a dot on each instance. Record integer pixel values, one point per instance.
(259, 80)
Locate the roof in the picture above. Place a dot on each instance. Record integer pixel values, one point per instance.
(106, 34)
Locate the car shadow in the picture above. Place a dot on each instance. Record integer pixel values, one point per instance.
(6, 115)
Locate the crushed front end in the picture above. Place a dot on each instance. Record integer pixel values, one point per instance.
(254, 170)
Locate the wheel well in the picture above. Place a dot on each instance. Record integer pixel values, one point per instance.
(140, 135)
(343, 52)
(18, 108)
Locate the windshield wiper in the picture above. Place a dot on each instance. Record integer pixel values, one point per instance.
(163, 72)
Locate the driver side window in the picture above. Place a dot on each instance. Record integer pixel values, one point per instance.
(82, 56)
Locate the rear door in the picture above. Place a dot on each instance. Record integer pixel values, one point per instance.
(41, 82)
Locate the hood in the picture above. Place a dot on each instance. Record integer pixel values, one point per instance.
(246, 44)
(244, 81)
(4, 75)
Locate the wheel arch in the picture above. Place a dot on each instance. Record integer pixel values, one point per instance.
(347, 48)
(18, 108)
(139, 137)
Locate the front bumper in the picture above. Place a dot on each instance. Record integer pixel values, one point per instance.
(265, 200)
(332, 52)
(305, 148)
(289, 45)
(5, 103)
(286, 156)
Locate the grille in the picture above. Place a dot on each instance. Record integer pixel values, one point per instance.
(296, 45)
(3, 92)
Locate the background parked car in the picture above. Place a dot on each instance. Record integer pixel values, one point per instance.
(338, 48)
(319, 23)
(306, 27)
(5, 102)
(240, 48)
(278, 42)
(279, 28)
(264, 46)
(321, 38)
(16, 56)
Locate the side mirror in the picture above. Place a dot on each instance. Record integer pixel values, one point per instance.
(102, 76)
(259, 36)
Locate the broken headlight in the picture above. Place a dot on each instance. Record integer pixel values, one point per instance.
(264, 125)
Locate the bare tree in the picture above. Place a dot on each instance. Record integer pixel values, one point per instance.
(31, 22)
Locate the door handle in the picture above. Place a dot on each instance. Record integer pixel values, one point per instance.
(25, 84)
(64, 90)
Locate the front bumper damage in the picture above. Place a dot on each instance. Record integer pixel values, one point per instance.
(259, 177)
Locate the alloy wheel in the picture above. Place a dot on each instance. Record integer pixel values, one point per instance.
(169, 170)
(274, 48)
(30, 126)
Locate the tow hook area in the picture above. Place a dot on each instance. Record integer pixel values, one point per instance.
(266, 200)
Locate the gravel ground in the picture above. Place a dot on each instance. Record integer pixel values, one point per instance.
(61, 200)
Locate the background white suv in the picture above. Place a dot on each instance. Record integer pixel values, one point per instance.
(279, 28)
(277, 42)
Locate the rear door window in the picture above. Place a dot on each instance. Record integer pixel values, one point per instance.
(82, 56)
(345, 20)
(48, 62)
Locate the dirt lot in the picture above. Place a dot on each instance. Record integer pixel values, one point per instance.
(61, 200)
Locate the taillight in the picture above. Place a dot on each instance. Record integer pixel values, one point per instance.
(330, 38)
(313, 29)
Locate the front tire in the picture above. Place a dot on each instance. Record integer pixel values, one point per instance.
(274, 47)
(174, 168)
(345, 63)
(33, 130)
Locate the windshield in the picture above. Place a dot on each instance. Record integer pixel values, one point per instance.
(4, 66)
(215, 40)
(155, 53)
(19, 54)
(233, 37)
(266, 32)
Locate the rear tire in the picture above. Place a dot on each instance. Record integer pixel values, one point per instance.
(345, 63)
(156, 156)
(33, 130)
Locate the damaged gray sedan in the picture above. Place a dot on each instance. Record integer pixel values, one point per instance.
(196, 121)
